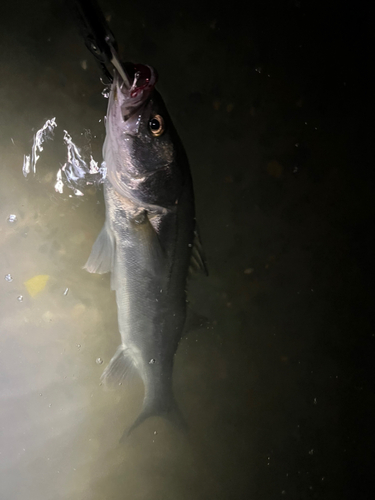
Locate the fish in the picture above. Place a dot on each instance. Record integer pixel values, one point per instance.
(149, 242)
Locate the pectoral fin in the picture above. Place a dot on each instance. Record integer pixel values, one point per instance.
(149, 243)
(102, 255)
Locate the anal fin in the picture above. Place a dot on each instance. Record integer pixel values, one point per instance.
(119, 368)
(195, 321)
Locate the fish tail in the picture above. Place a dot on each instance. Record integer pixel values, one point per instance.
(159, 400)
(156, 408)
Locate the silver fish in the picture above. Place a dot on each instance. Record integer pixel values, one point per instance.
(149, 240)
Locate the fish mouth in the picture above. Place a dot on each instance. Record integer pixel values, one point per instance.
(131, 95)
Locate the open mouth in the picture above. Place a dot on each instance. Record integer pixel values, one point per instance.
(142, 80)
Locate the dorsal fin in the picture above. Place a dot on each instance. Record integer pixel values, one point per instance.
(198, 258)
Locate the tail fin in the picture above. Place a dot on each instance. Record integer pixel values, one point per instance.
(159, 400)
(170, 412)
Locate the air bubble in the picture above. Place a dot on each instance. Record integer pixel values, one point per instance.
(20, 298)
(99, 361)
(12, 218)
(8, 278)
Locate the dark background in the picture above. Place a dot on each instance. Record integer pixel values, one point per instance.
(273, 103)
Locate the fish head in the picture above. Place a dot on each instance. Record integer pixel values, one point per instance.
(143, 153)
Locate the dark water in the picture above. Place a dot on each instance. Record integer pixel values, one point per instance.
(272, 106)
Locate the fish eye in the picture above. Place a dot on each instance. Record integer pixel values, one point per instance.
(156, 125)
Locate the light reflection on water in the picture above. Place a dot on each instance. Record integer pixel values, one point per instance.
(80, 168)
(58, 421)
(59, 428)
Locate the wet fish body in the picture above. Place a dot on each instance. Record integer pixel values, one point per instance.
(149, 240)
